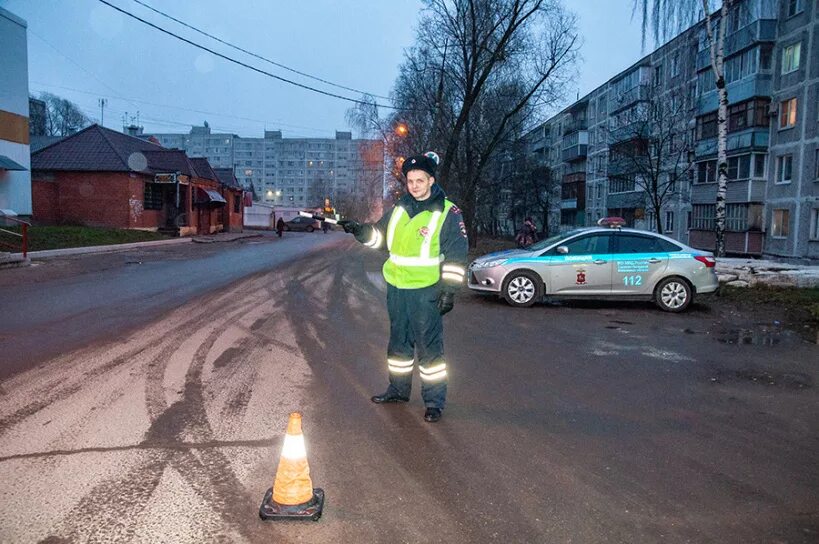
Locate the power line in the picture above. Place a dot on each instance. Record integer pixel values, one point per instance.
(240, 63)
(272, 122)
(252, 54)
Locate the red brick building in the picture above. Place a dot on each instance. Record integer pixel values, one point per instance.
(236, 200)
(100, 177)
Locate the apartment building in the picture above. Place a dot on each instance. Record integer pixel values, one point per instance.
(286, 171)
(772, 75)
(15, 161)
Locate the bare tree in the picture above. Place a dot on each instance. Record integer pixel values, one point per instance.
(668, 17)
(364, 201)
(477, 73)
(650, 148)
(62, 117)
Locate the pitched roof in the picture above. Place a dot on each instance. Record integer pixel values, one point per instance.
(227, 177)
(203, 168)
(94, 148)
(168, 160)
(39, 142)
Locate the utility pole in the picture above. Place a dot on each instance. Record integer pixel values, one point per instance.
(102, 102)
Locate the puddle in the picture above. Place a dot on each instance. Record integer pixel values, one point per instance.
(754, 337)
(787, 380)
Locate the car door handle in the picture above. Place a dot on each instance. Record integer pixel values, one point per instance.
(600, 261)
(654, 260)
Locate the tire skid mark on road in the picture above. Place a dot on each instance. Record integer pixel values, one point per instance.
(59, 388)
(103, 501)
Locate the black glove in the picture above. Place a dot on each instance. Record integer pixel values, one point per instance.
(446, 301)
(351, 227)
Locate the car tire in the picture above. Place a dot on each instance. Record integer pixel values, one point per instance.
(310, 229)
(673, 294)
(522, 289)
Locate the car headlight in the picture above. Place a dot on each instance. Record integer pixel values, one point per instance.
(488, 264)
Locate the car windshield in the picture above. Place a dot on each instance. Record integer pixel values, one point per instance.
(543, 244)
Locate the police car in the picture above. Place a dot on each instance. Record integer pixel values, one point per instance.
(603, 262)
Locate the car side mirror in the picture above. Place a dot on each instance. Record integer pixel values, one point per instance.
(562, 250)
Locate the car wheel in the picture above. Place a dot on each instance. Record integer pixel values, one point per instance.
(310, 229)
(522, 289)
(673, 294)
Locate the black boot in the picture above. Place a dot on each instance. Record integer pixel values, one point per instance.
(432, 415)
(388, 397)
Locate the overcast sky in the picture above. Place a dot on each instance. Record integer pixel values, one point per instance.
(84, 50)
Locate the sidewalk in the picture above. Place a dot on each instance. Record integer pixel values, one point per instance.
(753, 272)
(16, 259)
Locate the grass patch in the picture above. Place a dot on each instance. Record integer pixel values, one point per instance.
(61, 237)
(801, 305)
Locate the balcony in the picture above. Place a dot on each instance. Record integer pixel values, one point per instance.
(737, 192)
(575, 125)
(762, 30)
(576, 146)
(640, 93)
(631, 131)
(738, 91)
(754, 139)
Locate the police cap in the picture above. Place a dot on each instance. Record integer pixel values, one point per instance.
(426, 162)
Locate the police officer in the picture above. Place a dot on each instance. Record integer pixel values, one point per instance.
(425, 237)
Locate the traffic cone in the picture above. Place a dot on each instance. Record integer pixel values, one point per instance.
(292, 495)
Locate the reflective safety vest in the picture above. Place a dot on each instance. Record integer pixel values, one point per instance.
(415, 248)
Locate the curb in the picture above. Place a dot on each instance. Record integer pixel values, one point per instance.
(51, 253)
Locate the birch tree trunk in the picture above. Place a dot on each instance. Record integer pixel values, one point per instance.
(717, 46)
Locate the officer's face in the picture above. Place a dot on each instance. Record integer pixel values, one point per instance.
(419, 184)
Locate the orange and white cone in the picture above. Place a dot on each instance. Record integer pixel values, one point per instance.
(292, 495)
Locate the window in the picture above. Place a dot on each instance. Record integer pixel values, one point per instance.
(675, 64)
(790, 58)
(703, 216)
(794, 7)
(738, 116)
(816, 164)
(780, 224)
(707, 126)
(765, 56)
(784, 168)
(814, 224)
(669, 221)
(658, 75)
(707, 172)
(759, 166)
(621, 185)
(739, 167)
(152, 199)
(787, 113)
(588, 245)
(634, 243)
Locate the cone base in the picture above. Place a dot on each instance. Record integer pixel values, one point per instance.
(270, 510)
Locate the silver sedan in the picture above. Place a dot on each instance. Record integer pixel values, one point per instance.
(599, 263)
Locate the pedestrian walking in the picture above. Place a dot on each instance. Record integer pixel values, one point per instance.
(527, 235)
(280, 227)
(327, 211)
(425, 238)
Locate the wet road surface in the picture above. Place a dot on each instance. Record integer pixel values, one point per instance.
(566, 423)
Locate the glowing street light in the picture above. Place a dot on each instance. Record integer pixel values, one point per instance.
(401, 129)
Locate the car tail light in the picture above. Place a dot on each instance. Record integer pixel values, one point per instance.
(709, 262)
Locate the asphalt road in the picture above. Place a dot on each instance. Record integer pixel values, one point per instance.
(575, 423)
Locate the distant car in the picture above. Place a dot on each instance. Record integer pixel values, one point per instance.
(301, 223)
(603, 262)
